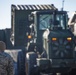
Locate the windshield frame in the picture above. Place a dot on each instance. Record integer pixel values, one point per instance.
(51, 13)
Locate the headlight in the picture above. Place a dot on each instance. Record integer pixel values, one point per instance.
(69, 38)
(29, 36)
(54, 39)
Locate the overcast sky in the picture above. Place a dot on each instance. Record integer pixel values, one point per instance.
(5, 8)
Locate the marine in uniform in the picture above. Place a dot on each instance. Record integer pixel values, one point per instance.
(6, 61)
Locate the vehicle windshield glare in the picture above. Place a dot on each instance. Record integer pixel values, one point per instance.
(46, 21)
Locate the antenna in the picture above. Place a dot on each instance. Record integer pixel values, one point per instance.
(62, 5)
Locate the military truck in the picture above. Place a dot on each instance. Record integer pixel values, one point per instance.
(51, 45)
(42, 31)
(43, 35)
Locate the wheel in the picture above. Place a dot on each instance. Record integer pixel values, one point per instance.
(21, 63)
(73, 71)
(31, 69)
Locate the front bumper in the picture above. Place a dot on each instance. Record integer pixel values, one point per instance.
(55, 65)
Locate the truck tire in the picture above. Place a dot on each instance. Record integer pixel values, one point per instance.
(31, 69)
(21, 63)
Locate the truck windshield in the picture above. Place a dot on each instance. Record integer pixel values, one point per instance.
(46, 21)
(61, 19)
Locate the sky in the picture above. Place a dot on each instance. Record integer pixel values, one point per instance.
(5, 8)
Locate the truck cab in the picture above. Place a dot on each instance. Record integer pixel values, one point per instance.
(41, 21)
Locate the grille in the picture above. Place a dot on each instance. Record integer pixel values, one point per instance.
(62, 48)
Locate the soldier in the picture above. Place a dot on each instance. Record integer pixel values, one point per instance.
(6, 61)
